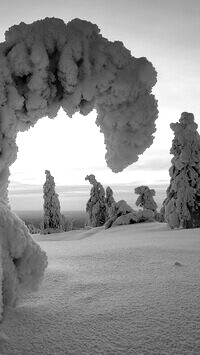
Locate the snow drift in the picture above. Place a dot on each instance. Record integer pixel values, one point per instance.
(47, 65)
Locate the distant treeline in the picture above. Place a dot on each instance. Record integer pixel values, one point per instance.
(78, 218)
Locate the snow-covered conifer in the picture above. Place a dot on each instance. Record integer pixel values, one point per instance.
(182, 205)
(110, 201)
(47, 65)
(145, 198)
(52, 220)
(96, 205)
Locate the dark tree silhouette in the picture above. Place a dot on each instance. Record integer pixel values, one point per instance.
(182, 204)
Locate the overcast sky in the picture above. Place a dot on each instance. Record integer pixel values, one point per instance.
(168, 34)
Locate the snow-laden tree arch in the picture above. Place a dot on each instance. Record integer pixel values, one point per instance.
(47, 65)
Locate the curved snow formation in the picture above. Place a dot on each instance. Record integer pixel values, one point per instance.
(49, 64)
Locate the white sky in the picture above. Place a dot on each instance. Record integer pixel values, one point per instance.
(168, 34)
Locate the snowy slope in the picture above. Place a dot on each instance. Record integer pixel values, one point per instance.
(127, 290)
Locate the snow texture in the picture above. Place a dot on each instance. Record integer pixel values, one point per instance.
(125, 290)
(52, 219)
(182, 205)
(22, 260)
(96, 205)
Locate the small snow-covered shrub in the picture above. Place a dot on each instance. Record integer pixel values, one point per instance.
(32, 229)
(182, 204)
(67, 223)
(96, 205)
(52, 219)
(159, 216)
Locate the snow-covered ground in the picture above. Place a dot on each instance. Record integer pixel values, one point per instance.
(126, 290)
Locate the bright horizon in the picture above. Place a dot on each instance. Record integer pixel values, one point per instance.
(167, 34)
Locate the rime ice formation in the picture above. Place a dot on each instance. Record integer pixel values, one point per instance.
(123, 214)
(23, 262)
(119, 212)
(52, 219)
(48, 64)
(109, 200)
(145, 198)
(182, 205)
(96, 205)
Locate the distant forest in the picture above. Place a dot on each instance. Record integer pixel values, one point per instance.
(79, 218)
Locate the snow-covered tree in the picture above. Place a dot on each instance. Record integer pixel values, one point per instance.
(119, 214)
(123, 214)
(96, 205)
(145, 198)
(32, 229)
(110, 201)
(67, 223)
(182, 205)
(47, 65)
(52, 219)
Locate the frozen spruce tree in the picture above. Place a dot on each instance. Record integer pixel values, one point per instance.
(96, 205)
(52, 220)
(110, 201)
(146, 200)
(182, 205)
